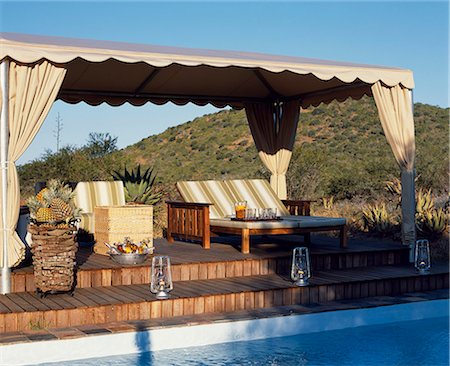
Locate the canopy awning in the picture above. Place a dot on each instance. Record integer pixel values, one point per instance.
(36, 70)
(116, 72)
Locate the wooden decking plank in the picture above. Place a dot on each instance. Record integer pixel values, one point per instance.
(3, 308)
(260, 282)
(191, 288)
(37, 302)
(111, 300)
(273, 281)
(25, 305)
(117, 294)
(132, 292)
(10, 304)
(218, 283)
(74, 301)
(143, 294)
(333, 277)
(181, 291)
(205, 288)
(88, 301)
(33, 301)
(354, 274)
(61, 301)
(143, 290)
(122, 295)
(99, 297)
(91, 299)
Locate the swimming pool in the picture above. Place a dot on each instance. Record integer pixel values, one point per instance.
(405, 331)
(419, 342)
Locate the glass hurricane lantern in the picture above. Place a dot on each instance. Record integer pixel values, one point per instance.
(422, 260)
(301, 266)
(161, 277)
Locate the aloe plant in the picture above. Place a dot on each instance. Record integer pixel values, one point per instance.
(376, 219)
(394, 187)
(424, 201)
(139, 188)
(433, 222)
(328, 202)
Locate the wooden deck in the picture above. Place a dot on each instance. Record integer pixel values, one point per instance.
(224, 259)
(219, 280)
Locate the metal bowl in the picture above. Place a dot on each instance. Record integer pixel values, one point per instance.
(130, 258)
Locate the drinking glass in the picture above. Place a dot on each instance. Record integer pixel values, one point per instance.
(240, 208)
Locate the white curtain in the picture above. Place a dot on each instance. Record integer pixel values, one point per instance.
(395, 110)
(273, 127)
(32, 91)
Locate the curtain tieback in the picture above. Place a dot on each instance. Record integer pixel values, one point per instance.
(4, 165)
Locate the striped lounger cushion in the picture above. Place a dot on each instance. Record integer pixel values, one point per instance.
(91, 194)
(223, 195)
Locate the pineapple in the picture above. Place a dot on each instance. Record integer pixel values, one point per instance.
(53, 205)
(40, 195)
(60, 209)
(45, 214)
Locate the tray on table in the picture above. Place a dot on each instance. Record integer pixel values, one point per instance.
(257, 219)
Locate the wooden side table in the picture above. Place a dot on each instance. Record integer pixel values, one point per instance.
(114, 223)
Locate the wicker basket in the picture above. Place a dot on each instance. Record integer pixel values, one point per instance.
(114, 223)
(54, 251)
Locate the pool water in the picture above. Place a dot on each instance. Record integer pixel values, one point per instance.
(419, 342)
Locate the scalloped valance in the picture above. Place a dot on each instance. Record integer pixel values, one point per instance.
(116, 72)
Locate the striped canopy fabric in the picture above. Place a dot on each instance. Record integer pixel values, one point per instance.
(160, 74)
(223, 195)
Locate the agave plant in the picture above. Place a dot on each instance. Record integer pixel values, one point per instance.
(376, 219)
(424, 201)
(432, 223)
(328, 202)
(394, 187)
(139, 188)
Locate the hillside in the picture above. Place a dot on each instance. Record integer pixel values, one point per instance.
(340, 150)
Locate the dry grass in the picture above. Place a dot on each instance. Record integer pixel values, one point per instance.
(351, 210)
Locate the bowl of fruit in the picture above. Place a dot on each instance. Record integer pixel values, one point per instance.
(127, 252)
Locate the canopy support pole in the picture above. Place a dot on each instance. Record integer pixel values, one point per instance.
(4, 141)
(408, 211)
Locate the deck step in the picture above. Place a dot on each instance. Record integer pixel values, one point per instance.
(97, 270)
(25, 310)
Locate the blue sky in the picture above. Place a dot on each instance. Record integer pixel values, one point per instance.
(411, 35)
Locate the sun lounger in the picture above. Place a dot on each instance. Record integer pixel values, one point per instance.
(209, 205)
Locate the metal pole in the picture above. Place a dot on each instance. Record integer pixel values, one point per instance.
(412, 194)
(4, 140)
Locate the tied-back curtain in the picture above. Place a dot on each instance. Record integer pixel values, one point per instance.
(396, 115)
(273, 129)
(32, 91)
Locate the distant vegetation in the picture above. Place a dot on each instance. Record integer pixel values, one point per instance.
(340, 151)
(341, 154)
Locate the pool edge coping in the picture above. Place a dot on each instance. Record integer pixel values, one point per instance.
(276, 322)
